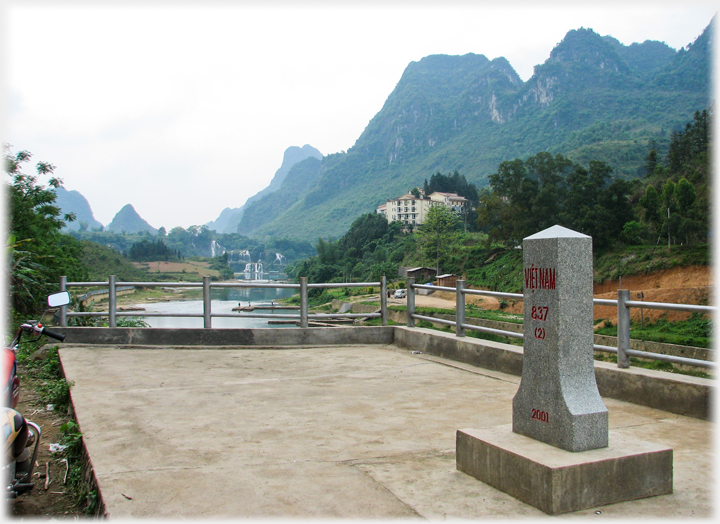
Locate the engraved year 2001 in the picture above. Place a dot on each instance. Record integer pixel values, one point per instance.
(542, 416)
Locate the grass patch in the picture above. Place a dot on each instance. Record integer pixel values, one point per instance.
(320, 296)
(491, 314)
(642, 260)
(468, 332)
(657, 365)
(378, 322)
(696, 331)
(44, 376)
(470, 312)
(500, 271)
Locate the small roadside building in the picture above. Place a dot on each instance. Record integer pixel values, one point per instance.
(447, 280)
(417, 272)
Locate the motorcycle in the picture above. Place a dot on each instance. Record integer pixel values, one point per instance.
(21, 434)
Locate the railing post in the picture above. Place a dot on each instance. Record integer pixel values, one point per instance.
(623, 328)
(383, 300)
(207, 303)
(303, 302)
(410, 302)
(112, 302)
(459, 308)
(63, 309)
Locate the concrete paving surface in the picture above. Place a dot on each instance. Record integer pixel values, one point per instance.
(323, 432)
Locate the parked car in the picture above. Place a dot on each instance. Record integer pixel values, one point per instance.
(400, 293)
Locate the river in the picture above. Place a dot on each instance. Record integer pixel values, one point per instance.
(223, 301)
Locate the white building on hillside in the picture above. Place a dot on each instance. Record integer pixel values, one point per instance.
(450, 200)
(412, 210)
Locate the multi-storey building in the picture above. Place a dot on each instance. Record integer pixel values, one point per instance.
(411, 210)
(450, 200)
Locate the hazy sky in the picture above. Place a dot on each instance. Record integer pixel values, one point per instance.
(185, 108)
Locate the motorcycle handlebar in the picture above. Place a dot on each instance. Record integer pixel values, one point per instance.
(56, 336)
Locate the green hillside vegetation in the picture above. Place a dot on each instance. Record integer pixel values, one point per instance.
(599, 136)
(147, 250)
(631, 231)
(229, 219)
(195, 241)
(300, 177)
(592, 100)
(103, 261)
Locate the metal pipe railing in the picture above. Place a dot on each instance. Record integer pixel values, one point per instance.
(207, 315)
(623, 305)
(623, 329)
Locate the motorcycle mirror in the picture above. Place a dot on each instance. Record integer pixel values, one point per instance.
(58, 299)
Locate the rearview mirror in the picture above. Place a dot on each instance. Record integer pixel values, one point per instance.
(58, 299)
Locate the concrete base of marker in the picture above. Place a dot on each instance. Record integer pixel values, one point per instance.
(558, 481)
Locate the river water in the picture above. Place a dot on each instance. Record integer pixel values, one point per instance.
(223, 301)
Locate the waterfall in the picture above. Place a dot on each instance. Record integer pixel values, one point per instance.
(216, 249)
(256, 267)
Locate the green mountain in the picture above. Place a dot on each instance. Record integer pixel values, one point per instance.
(592, 99)
(75, 202)
(229, 218)
(301, 177)
(128, 220)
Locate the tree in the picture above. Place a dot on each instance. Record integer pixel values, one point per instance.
(682, 208)
(148, 250)
(651, 203)
(451, 183)
(436, 233)
(327, 251)
(364, 229)
(634, 233)
(668, 195)
(39, 253)
(685, 195)
(694, 142)
(651, 161)
(512, 182)
(494, 214)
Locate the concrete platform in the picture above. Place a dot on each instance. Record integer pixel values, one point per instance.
(362, 431)
(557, 481)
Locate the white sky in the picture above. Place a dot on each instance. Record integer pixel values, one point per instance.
(185, 108)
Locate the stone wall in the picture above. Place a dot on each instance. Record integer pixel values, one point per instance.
(660, 347)
(400, 317)
(671, 392)
(681, 394)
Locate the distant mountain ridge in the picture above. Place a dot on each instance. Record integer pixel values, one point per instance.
(301, 176)
(74, 202)
(229, 218)
(592, 99)
(128, 220)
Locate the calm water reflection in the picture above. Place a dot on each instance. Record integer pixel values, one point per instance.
(223, 301)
